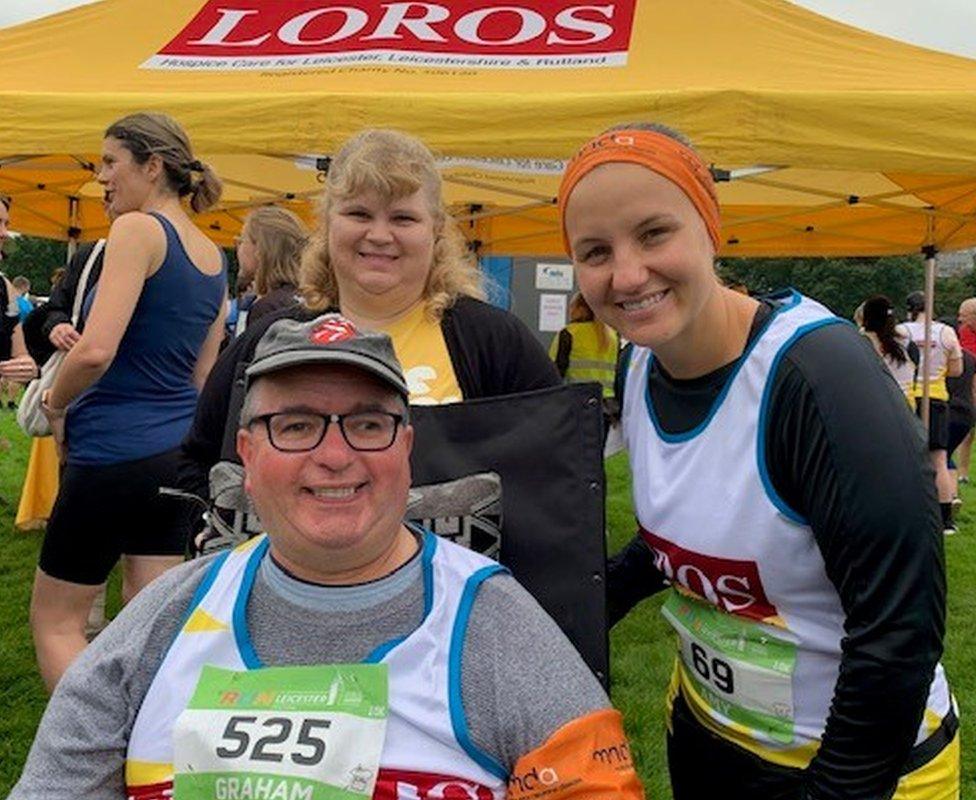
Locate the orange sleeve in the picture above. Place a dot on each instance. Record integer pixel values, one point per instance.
(586, 759)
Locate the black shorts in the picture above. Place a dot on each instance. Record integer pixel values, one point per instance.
(103, 512)
(938, 423)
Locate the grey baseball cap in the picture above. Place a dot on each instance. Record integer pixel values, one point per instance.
(329, 339)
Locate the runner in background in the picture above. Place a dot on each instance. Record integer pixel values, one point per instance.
(962, 415)
(967, 340)
(944, 360)
(898, 352)
(780, 489)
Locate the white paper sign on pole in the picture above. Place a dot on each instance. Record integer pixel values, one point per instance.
(554, 277)
(552, 312)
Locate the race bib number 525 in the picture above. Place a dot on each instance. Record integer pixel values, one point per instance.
(296, 733)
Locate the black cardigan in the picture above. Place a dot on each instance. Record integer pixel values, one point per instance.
(492, 353)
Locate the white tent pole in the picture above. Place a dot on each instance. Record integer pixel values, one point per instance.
(929, 252)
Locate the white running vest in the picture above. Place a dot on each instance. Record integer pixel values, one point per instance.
(938, 356)
(717, 529)
(427, 751)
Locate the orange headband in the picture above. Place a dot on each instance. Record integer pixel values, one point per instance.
(659, 153)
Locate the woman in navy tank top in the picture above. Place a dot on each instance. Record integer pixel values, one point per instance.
(125, 395)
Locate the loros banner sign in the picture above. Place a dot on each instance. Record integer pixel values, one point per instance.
(480, 34)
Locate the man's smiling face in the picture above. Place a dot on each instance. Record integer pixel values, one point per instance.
(330, 505)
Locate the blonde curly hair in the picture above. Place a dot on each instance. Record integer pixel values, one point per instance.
(393, 165)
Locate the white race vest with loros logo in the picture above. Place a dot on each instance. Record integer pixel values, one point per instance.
(427, 753)
(759, 623)
(937, 363)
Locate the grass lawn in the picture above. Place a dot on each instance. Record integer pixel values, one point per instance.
(641, 644)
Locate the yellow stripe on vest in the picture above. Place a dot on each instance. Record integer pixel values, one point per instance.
(147, 773)
(939, 779)
(201, 622)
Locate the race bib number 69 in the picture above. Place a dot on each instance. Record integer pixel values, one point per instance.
(737, 666)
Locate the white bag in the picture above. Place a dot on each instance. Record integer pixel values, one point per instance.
(30, 417)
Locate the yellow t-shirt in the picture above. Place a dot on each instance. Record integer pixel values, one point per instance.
(420, 346)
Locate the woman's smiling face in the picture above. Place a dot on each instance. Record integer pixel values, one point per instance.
(382, 247)
(642, 253)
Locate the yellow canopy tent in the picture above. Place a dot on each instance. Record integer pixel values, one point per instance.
(835, 140)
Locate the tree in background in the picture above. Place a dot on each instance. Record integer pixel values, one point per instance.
(35, 259)
(842, 284)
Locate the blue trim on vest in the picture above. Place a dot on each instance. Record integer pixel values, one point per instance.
(676, 438)
(428, 548)
(458, 720)
(241, 634)
(767, 482)
(431, 541)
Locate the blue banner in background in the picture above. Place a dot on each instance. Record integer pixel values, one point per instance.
(498, 280)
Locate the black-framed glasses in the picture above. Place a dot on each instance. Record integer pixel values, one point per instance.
(301, 431)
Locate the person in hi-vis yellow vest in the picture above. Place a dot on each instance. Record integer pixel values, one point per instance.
(586, 349)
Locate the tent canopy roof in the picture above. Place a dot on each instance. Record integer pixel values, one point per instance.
(870, 142)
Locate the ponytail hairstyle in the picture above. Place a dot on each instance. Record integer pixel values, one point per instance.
(149, 133)
(879, 319)
(279, 236)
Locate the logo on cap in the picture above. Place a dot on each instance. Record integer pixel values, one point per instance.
(328, 331)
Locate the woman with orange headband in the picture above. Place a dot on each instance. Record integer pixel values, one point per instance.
(808, 578)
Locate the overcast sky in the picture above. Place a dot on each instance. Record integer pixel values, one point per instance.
(15, 11)
(946, 25)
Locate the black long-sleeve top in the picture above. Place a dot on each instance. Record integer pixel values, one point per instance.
(844, 452)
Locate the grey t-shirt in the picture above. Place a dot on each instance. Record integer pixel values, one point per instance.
(521, 679)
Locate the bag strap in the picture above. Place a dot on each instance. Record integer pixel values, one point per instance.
(83, 281)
